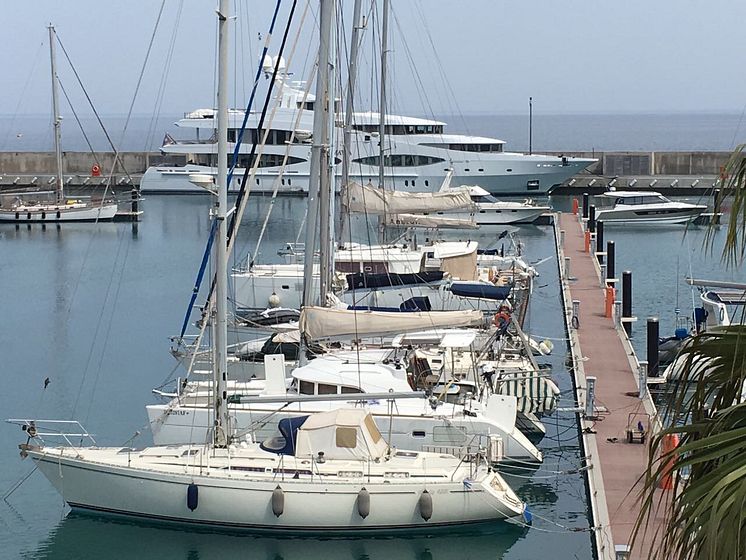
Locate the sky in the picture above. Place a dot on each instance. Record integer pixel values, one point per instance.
(470, 57)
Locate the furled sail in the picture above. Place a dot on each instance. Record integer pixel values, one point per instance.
(366, 198)
(420, 220)
(325, 322)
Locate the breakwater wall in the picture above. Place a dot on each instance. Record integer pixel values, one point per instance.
(609, 163)
(664, 171)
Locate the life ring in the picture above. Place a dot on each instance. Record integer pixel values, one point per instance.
(95, 170)
(501, 319)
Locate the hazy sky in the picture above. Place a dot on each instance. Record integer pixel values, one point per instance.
(485, 57)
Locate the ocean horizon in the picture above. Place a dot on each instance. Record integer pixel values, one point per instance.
(587, 132)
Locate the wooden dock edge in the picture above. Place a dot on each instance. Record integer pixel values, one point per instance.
(603, 541)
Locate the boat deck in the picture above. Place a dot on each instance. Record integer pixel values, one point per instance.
(607, 355)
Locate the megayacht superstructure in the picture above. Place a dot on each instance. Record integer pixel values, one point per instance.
(419, 152)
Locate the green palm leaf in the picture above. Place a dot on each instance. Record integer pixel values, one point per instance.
(704, 513)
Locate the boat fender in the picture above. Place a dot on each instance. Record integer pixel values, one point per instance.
(274, 300)
(546, 347)
(426, 505)
(192, 496)
(363, 503)
(278, 501)
(528, 517)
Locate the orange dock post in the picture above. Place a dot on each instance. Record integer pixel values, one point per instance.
(587, 241)
(575, 206)
(670, 442)
(609, 301)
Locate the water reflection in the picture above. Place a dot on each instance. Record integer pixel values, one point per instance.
(79, 536)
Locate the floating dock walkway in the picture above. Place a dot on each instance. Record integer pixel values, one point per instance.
(606, 375)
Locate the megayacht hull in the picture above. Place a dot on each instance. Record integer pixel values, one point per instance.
(243, 501)
(525, 178)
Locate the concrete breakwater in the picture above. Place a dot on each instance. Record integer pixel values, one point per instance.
(662, 171)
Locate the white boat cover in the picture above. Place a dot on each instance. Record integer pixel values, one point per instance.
(366, 198)
(324, 322)
(346, 433)
(420, 220)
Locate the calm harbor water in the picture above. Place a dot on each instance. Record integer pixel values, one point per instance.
(92, 307)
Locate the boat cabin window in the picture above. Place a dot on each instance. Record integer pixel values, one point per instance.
(251, 136)
(400, 129)
(325, 389)
(265, 160)
(637, 200)
(306, 388)
(346, 390)
(483, 198)
(346, 437)
(399, 160)
(464, 147)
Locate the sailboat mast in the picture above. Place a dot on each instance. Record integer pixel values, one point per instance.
(382, 109)
(221, 433)
(350, 105)
(320, 137)
(56, 118)
(326, 163)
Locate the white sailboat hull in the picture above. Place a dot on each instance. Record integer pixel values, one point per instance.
(55, 213)
(240, 500)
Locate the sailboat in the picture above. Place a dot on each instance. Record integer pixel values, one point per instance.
(325, 473)
(421, 423)
(28, 207)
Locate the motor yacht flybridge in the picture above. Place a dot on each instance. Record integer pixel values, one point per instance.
(419, 152)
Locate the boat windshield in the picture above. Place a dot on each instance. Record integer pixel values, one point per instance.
(481, 198)
(639, 200)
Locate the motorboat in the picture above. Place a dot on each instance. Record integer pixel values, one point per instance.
(644, 207)
(327, 472)
(723, 303)
(491, 211)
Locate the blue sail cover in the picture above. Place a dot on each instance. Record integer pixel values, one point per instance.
(358, 280)
(416, 303)
(285, 444)
(481, 290)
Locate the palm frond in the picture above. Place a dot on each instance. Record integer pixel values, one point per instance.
(732, 189)
(704, 513)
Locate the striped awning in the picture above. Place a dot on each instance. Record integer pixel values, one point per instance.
(535, 393)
